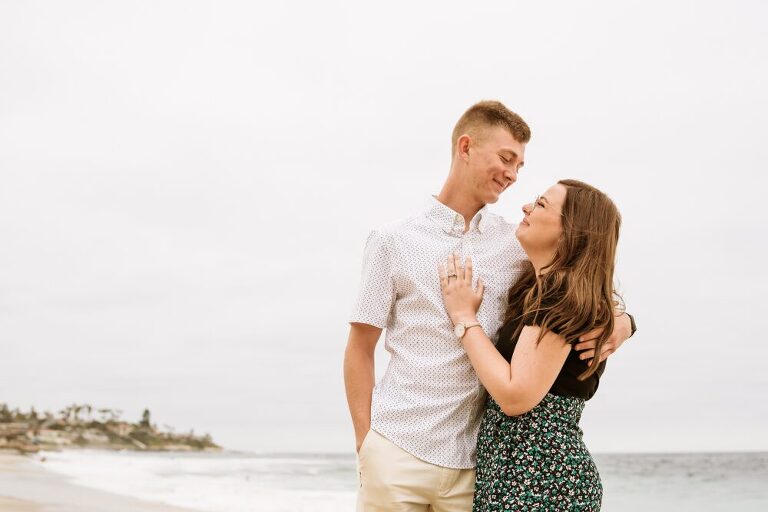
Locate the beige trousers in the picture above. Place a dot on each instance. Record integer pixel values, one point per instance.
(392, 479)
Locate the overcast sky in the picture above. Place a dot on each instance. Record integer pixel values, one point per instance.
(186, 188)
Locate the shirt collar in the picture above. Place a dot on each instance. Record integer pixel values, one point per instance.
(453, 222)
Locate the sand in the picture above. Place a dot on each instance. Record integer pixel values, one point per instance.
(14, 505)
(27, 487)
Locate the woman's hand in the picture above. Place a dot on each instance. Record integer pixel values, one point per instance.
(461, 300)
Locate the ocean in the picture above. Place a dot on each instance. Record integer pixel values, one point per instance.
(243, 482)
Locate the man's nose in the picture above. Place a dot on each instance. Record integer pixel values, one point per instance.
(511, 175)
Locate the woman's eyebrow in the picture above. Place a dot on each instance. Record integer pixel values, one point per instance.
(544, 199)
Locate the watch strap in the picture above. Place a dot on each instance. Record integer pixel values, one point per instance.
(632, 324)
(467, 327)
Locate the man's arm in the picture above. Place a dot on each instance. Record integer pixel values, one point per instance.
(360, 376)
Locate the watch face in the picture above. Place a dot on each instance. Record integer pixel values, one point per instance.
(459, 330)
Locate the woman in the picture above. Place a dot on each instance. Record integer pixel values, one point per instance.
(530, 453)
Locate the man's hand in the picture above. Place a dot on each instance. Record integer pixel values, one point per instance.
(359, 438)
(621, 332)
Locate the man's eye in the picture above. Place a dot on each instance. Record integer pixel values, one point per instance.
(504, 160)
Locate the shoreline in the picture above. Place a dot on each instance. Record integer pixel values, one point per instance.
(704, 482)
(26, 487)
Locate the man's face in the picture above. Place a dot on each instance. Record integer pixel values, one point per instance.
(493, 162)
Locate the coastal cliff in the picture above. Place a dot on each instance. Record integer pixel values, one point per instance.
(83, 426)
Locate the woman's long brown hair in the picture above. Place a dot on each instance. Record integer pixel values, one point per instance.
(574, 293)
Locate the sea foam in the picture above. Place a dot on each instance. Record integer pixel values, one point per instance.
(213, 482)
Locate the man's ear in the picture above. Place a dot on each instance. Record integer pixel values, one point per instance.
(463, 145)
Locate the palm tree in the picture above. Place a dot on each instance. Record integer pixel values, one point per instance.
(5, 414)
(145, 419)
(77, 409)
(65, 413)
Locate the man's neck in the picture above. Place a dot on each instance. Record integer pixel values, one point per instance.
(457, 200)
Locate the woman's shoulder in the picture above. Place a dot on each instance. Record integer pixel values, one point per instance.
(545, 309)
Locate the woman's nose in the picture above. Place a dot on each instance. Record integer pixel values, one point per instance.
(526, 208)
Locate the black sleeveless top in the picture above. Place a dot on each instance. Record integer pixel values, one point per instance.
(567, 382)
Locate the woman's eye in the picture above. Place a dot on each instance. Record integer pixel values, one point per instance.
(540, 204)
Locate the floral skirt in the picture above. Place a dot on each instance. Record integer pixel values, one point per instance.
(537, 461)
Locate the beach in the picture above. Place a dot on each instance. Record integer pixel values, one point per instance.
(14, 505)
(86, 480)
(25, 486)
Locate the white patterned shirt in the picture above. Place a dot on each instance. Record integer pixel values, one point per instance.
(429, 401)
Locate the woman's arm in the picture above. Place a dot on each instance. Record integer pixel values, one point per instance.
(517, 386)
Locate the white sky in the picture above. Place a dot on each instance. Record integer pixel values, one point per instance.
(186, 188)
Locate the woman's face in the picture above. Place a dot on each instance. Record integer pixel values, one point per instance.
(541, 227)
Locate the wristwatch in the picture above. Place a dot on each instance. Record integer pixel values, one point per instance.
(461, 328)
(632, 324)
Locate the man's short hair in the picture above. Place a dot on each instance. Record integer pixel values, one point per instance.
(487, 114)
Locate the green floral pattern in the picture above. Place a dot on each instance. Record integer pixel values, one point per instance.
(536, 462)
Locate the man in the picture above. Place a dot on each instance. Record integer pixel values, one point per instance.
(416, 430)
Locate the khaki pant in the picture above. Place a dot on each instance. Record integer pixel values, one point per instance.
(392, 479)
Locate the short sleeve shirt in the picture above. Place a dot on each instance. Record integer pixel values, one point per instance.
(429, 401)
